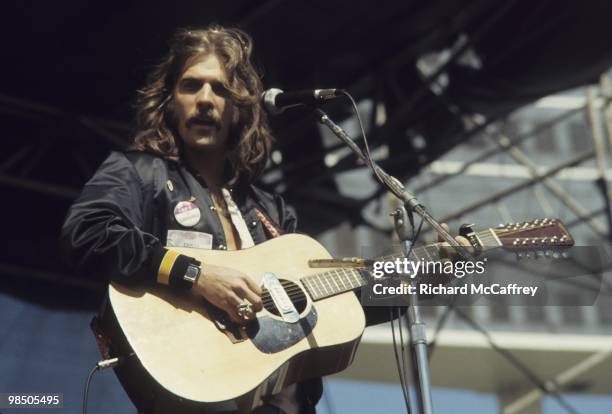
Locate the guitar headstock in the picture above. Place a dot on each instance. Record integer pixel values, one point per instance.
(541, 235)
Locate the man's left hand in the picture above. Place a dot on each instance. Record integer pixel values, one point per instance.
(449, 252)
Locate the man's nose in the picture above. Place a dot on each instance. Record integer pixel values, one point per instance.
(205, 97)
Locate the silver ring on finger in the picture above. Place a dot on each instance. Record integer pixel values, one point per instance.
(245, 310)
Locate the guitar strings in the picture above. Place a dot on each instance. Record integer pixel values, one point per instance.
(335, 276)
(295, 292)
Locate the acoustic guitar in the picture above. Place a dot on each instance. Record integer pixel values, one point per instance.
(187, 356)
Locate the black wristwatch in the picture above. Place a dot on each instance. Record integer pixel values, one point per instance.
(177, 270)
(193, 272)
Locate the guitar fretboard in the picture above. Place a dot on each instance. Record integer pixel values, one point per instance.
(344, 279)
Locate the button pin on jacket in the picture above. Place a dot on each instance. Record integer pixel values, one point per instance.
(187, 214)
(170, 185)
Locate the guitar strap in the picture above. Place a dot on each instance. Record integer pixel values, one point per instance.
(272, 229)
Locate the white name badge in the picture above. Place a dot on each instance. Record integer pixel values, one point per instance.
(195, 239)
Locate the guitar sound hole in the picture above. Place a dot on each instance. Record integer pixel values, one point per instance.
(295, 292)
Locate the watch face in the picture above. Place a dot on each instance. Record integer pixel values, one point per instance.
(192, 273)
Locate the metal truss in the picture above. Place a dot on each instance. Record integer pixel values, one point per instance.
(16, 168)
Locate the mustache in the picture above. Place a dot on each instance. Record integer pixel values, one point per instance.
(206, 119)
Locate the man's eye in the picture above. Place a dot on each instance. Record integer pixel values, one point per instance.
(219, 89)
(191, 85)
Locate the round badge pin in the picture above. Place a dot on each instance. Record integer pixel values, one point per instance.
(187, 214)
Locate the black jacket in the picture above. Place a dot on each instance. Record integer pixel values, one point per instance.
(118, 225)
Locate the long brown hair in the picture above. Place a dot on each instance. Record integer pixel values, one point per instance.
(250, 138)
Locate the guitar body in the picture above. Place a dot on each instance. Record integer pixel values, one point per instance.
(188, 358)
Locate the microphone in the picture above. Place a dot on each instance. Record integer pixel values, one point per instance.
(276, 100)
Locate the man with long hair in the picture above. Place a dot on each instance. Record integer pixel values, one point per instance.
(201, 140)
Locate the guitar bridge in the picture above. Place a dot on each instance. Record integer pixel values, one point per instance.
(234, 332)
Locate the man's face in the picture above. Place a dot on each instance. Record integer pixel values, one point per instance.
(202, 112)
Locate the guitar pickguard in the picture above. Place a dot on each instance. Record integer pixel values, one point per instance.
(268, 334)
(272, 335)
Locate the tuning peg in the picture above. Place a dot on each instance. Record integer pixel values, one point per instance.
(565, 255)
(519, 256)
(548, 253)
(556, 255)
(466, 229)
(539, 254)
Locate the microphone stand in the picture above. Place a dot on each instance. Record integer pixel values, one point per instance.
(404, 227)
(394, 185)
(411, 204)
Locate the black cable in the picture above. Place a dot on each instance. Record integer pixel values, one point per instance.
(398, 364)
(86, 392)
(415, 373)
(404, 358)
(366, 146)
(402, 346)
(100, 365)
(403, 369)
(519, 365)
(441, 322)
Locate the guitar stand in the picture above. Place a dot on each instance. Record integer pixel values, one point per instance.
(418, 336)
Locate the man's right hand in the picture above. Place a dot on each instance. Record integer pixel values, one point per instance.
(227, 288)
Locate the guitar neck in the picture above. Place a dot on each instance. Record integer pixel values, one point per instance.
(344, 279)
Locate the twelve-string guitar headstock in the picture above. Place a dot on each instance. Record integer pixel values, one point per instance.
(542, 237)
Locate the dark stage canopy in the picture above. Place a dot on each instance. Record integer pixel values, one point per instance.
(70, 70)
